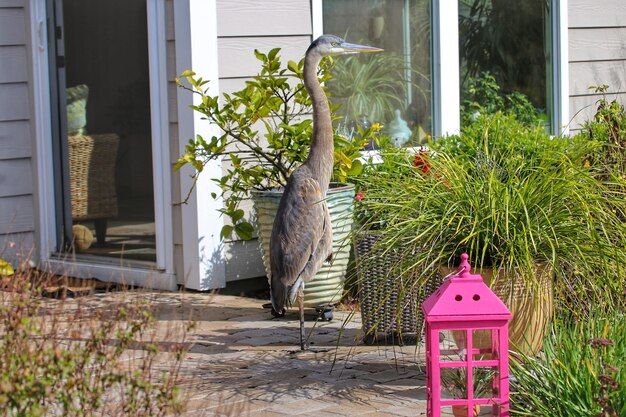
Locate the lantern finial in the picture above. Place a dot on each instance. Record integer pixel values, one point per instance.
(464, 266)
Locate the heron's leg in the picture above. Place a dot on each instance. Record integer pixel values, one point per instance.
(301, 308)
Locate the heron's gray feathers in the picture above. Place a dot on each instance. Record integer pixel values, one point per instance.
(301, 236)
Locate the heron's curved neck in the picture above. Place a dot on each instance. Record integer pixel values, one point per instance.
(320, 160)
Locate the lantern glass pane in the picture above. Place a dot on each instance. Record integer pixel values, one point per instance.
(454, 382)
(461, 410)
(485, 344)
(452, 345)
(486, 381)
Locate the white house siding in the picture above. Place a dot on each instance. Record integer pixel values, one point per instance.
(597, 54)
(17, 217)
(242, 27)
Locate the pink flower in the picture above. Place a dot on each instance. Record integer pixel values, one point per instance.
(359, 197)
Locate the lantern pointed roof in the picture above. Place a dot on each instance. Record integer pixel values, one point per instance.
(464, 296)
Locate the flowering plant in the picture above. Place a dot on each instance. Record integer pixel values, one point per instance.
(509, 195)
(422, 162)
(389, 161)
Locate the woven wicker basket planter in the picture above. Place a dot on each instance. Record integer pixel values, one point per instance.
(390, 306)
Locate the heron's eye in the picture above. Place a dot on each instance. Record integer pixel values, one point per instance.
(333, 44)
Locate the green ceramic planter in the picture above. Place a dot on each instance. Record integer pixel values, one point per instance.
(327, 285)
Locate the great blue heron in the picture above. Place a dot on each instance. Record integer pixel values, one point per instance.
(301, 236)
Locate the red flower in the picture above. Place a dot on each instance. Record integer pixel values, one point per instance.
(421, 162)
(359, 197)
(439, 177)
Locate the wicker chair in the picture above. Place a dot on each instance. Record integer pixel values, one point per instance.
(92, 179)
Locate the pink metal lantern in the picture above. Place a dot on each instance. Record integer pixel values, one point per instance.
(467, 362)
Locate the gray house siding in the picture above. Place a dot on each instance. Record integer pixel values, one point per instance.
(17, 214)
(242, 27)
(597, 55)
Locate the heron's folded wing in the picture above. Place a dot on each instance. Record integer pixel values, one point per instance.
(298, 228)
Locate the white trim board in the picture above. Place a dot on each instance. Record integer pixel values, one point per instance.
(161, 171)
(445, 68)
(203, 261)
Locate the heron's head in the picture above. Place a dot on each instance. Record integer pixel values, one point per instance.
(327, 45)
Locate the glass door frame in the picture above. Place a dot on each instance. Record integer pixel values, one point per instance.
(161, 274)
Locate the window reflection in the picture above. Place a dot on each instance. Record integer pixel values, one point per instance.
(392, 88)
(505, 59)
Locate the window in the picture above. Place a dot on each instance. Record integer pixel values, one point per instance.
(436, 52)
(505, 57)
(392, 85)
(107, 133)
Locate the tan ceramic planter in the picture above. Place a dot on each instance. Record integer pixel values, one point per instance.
(532, 306)
(461, 410)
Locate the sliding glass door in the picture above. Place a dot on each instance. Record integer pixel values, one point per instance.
(102, 129)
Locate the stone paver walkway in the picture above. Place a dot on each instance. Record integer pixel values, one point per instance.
(243, 362)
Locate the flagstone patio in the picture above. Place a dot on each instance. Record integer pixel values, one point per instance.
(241, 361)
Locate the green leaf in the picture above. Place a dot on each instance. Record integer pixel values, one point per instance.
(244, 230)
(293, 66)
(226, 231)
(273, 53)
(237, 215)
(357, 168)
(260, 56)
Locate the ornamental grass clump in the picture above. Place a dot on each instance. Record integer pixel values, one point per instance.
(608, 130)
(581, 372)
(512, 197)
(390, 160)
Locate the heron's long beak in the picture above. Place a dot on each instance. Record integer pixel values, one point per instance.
(353, 48)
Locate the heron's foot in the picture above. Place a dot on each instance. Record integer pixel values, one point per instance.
(278, 314)
(325, 312)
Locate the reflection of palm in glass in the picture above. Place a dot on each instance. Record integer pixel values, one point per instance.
(397, 79)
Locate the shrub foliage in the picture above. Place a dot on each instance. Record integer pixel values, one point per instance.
(60, 358)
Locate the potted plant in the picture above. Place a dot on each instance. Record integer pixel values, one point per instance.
(276, 103)
(371, 87)
(389, 300)
(372, 90)
(518, 201)
(389, 308)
